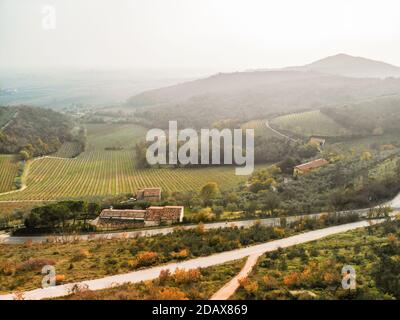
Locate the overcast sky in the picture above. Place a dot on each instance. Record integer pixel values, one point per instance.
(222, 35)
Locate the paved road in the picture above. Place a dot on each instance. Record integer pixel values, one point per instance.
(7, 239)
(153, 273)
(230, 288)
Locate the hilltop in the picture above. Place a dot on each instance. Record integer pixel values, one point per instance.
(350, 66)
(262, 93)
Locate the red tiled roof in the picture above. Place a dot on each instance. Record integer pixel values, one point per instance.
(312, 164)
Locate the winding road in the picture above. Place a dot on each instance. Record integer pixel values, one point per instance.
(12, 240)
(203, 262)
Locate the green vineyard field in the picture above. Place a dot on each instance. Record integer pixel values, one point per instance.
(310, 123)
(98, 172)
(260, 128)
(68, 150)
(106, 173)
(8, 172)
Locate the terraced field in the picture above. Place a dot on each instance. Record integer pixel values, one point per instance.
(310, 123)
(8, 171)
(98, 172)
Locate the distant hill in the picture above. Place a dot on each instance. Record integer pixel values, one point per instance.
(349, 66)
(250, 95)
(35, 131)
(373, 117)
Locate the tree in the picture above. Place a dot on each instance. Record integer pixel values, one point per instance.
(287, 164)
(269, 201)
(209, 192)
(308, 151)
(366, 155)
(24, 155)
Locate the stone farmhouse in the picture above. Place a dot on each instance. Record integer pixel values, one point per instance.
(152, 216)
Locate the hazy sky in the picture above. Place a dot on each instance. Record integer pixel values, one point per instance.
(221, 35)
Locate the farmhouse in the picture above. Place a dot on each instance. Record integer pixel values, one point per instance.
(317, 142)
(149, 194)
(152, 216)
(308, 166)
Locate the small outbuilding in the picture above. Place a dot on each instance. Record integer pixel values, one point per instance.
(308, 166)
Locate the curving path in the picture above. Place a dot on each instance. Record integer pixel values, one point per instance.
(203, 262)
(279, 133)
(230, 288)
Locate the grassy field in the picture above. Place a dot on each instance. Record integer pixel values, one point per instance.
(20, 265)
(101, 136)
(7, 208)
(309, 123)
(313, 270)
(98, 172)
(8, 171)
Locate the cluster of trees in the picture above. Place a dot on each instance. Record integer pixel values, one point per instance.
(36, 132)
(61, 216)
(287, 153)
(374, 117)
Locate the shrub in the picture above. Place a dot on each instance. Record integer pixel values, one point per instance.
(251, 287)
(60, 278)
(7, 268)
(183, 276)
(35, 264)
(81, 255)
(146, 258)
(167, 293)
(184, 253)
(270, 282)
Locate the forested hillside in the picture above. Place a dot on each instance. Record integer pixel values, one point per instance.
(376, 117)
(33, 131)
(252, 95)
